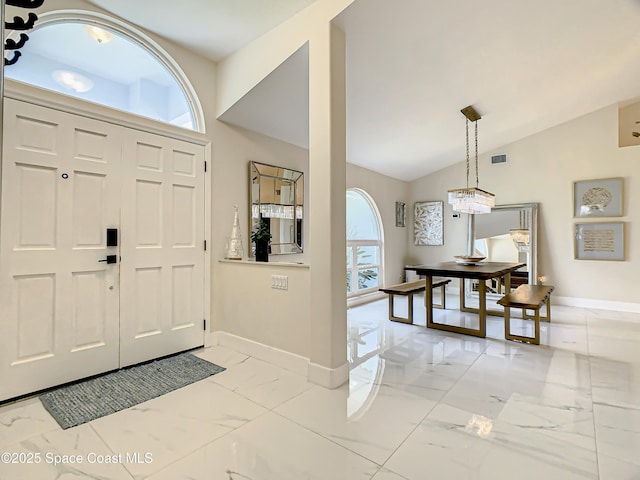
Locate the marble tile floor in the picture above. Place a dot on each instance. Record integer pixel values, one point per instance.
(420, 404)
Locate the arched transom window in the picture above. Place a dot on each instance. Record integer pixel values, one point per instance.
(364, 244)
(97, 59)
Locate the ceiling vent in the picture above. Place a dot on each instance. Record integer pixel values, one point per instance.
(502, 158)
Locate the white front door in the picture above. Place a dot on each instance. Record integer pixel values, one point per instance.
(66, 314)
(58, 303)
(162, 270)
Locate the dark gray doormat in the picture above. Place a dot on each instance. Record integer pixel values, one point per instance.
(85, 401)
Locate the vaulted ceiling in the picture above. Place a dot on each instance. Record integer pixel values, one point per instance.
(413, 64)
(212, 28)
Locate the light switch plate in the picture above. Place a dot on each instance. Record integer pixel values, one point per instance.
(280, 282)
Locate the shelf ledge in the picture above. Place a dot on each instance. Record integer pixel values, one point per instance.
(273, 264)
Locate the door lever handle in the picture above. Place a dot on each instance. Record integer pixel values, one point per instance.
(110, 259)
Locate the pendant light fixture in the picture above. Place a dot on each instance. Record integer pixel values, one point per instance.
(471, 199)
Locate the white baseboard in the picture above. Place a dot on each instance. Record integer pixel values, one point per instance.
(323, 376)
(594, 303)
(281, 358)
(328, 377)
(370, 297)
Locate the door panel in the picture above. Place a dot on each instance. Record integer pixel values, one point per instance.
(89, 315)
(162, 276)
(59, 306)
(89, 202)
(34, 320)
(37, 221)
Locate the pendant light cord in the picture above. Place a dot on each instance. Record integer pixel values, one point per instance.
(467, 130)
(477, 175)
(468, 163)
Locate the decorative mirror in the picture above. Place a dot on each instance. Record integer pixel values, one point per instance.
(277, 198)
(509, 234)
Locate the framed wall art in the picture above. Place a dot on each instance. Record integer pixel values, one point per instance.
(401, 214)
(598, 198)
(599, 241)
(428, 223)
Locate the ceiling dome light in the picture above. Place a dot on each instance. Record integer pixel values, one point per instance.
(72, 81)
(99, 35)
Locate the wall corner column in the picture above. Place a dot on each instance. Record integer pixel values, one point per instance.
(327, 207)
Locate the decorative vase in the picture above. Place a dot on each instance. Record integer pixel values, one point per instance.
(234, 244)
(262, 251)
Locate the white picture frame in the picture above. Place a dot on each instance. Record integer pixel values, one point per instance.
(428, 222)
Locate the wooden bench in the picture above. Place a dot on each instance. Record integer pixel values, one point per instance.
(407, 289)
(527, 297)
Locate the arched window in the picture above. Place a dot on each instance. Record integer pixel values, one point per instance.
(96, 58)
(364, 244)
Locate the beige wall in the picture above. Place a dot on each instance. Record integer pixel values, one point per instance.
(244, 303)
(542, 168)
(432, 188)
(385, 192)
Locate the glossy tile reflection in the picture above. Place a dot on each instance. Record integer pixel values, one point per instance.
(419, 404)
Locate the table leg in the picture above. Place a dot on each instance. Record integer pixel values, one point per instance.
(463, 307)
(482, 310)
(428, 299)
(410, 307)
(507, 310)
(507, 283)
(507, 322)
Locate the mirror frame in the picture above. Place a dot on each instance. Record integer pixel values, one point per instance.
(297, 181)
(532, 210)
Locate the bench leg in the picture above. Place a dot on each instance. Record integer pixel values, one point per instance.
(507, 327)
(443, 301)
(392, 316)
(547, 318)
(507, 323)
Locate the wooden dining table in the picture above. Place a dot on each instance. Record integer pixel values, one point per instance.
(482, 272)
